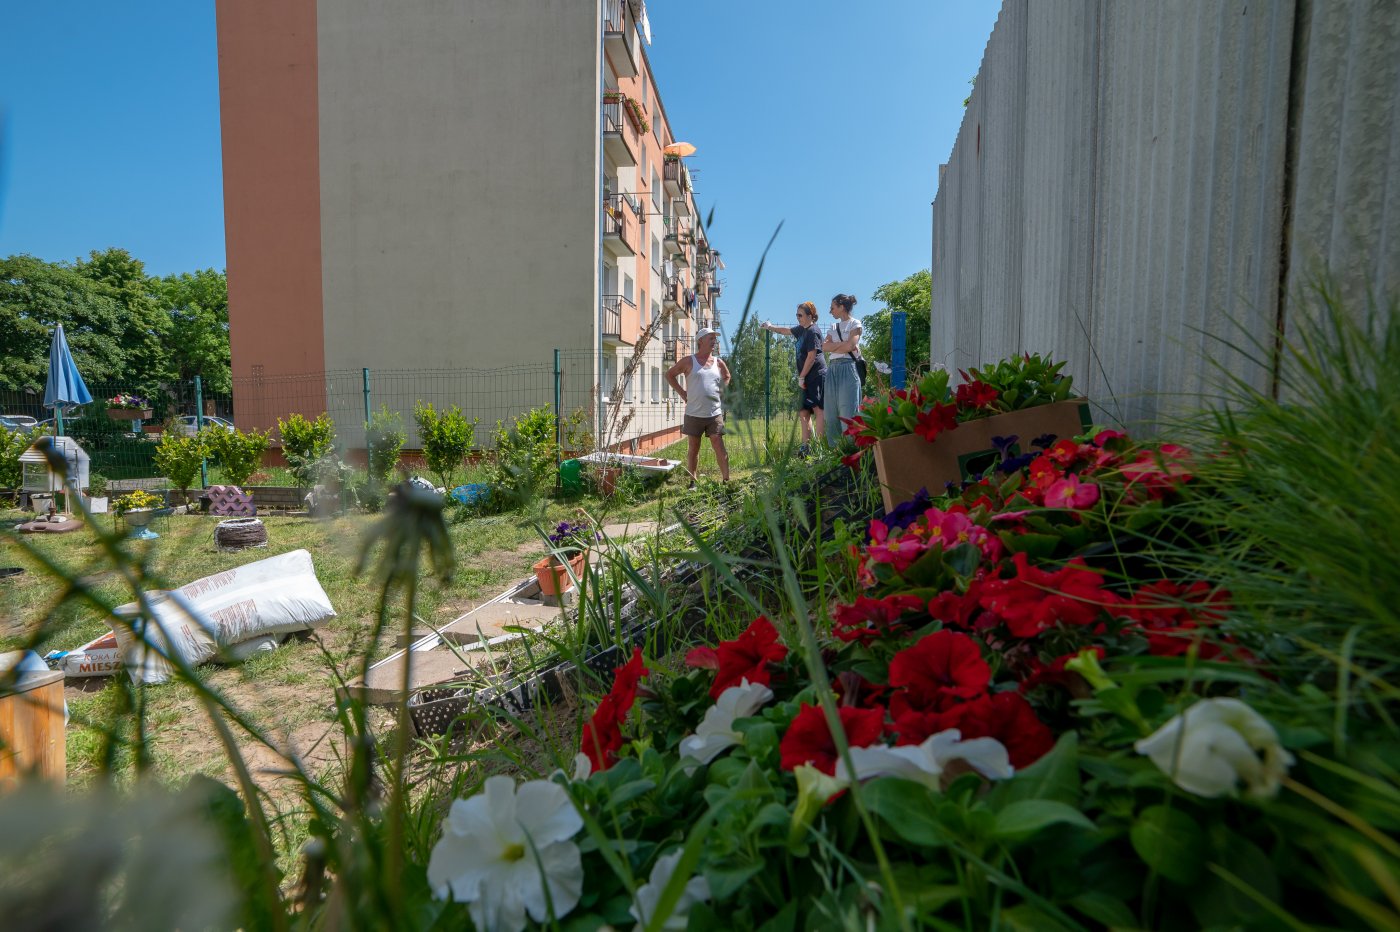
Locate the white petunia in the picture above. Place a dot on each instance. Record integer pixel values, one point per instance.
(1214, 745)
(583, 767)
(502, 847)
(925, 763)
(716, 732)
(697, 890)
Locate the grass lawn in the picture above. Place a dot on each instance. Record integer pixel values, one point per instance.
(291, 690)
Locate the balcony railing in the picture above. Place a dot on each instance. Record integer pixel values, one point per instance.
(612, 116)
(610, 321)
(675, 349)
(676, 176)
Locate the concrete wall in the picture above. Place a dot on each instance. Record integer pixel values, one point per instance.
(459, 183)
(1125, 191)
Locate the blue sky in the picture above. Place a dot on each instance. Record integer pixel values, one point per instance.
(831, 117)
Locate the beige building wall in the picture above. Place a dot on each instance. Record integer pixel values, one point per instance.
(459, 184)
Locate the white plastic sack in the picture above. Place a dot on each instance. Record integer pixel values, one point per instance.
(102, 656)
(273, 596)
(262, 644)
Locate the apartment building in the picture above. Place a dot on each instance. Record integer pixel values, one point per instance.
(423, 186)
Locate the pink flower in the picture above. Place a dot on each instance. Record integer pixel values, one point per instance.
(1069, 492)
(898, 551)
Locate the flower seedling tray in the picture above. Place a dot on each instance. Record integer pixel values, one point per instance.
(909, 463)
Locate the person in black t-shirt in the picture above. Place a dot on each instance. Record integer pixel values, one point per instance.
(811, 368)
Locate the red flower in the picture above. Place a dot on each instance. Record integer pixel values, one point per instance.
(602, 735)
(869, 618)
(1055, 674)
(938, 418)
(943, 668)
(976, 395)
(1069, 492)
(954, 609)
(747, 657)
(809, 741)
(852, 689)
(859, 431)
(852, 460)
(1158, 473)
(706, 658)
(1008, 718)
(1034, 599)
(899, 550)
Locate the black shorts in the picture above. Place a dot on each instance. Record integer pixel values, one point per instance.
(813, 390)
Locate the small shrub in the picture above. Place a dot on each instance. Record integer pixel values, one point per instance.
(577, 430)
(97, 485)
(179, 457)
(240, 452)
(446, 437)
(384, 440)
(526, 455)
(135, 501)
(305, 444)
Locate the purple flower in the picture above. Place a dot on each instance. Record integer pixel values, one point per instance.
(906, 513)
(1004, 444)
(1044, 441)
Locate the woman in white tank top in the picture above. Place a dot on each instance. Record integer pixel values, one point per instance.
(706, 377)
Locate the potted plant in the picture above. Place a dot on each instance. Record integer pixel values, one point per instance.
(97, 493)
(570, 541)
(137, 509)
(929, 435)
(125, 407)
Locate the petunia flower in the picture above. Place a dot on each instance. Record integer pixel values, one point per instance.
(870, 618)
(809, 741)
(747, 657)
(937, 419)
(643, 908)
(1005, 716)
(602, 734)
(814, 790)
(943, 668)
(927, 761)
(715, 733)
(1217, 744)
(503, 848)
(1036, 599)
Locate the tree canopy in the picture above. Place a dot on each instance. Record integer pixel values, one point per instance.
(911, 295)
(122, 324)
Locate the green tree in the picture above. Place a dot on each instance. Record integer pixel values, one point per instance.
(36, 296)
(911, 295)
(144, 336)
(197, 306)
(306, 444)
(746, 391)
(179, 458)
(446, 437)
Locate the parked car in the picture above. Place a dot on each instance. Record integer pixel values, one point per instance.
(189, 424)
(11, 424)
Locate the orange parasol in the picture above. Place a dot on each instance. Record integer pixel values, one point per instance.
(681, 149)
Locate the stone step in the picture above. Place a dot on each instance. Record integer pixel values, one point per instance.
(384, 683)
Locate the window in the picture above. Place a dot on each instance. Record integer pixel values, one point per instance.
(627, 286)
(644, 306)
(655, 383)
(627, 389)
(655, 190)
(655, 309)
(656, 253)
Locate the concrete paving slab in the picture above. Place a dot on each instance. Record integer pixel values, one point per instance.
(384, 683)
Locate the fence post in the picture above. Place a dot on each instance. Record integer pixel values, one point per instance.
(767, 388)
(364, 375)
(199, 429)
(558, 416)
(898, 323)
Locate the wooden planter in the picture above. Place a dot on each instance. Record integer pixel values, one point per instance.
(553, 576)
(131, 414)
(909, 463)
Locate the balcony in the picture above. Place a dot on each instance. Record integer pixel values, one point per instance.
(620, 38)
(675, 349)
(676, 177)
(680, 206)
(610, 317)
(619, 226)
(673, 295)
(619, 139)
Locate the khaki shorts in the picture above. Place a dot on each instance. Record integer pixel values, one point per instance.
(703, 426)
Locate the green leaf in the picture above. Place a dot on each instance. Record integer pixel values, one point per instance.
(1170, 842)
(630, 791)
(908, 809)
(1104, 909)
(1024, 818)
(1026, 918)
(784, 921)
(726, 879)
(1055, 776)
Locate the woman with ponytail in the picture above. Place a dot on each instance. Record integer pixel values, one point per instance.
(842, 347)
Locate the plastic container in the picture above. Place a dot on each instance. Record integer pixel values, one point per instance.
(571, 477)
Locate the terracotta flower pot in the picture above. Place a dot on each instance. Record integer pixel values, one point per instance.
(553, 576)
(131, 414)
(607, 479)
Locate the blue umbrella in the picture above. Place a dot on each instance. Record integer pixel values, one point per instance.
(65, 388)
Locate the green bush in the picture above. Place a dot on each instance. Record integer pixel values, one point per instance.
(526, 456)
(12, 446)
(240, 452)
(446, 437)
(305, 444)
(179, 458)
(384, 439)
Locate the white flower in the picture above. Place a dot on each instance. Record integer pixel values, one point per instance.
(697, 890)
(500, 848)
(1215, 744)
(583, 767)
(814, 788)
(882, 367)
(716, 732)
(924, 763)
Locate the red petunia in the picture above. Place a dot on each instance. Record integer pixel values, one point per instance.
(870, 618)
(747, 657)
(602, 734)
(1008, 718)
(705, 658)
(1039, 673)
(938, 418)
(809, 741)
(955, 609)
(943, 668)
(1034, 600)
(976, 394)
